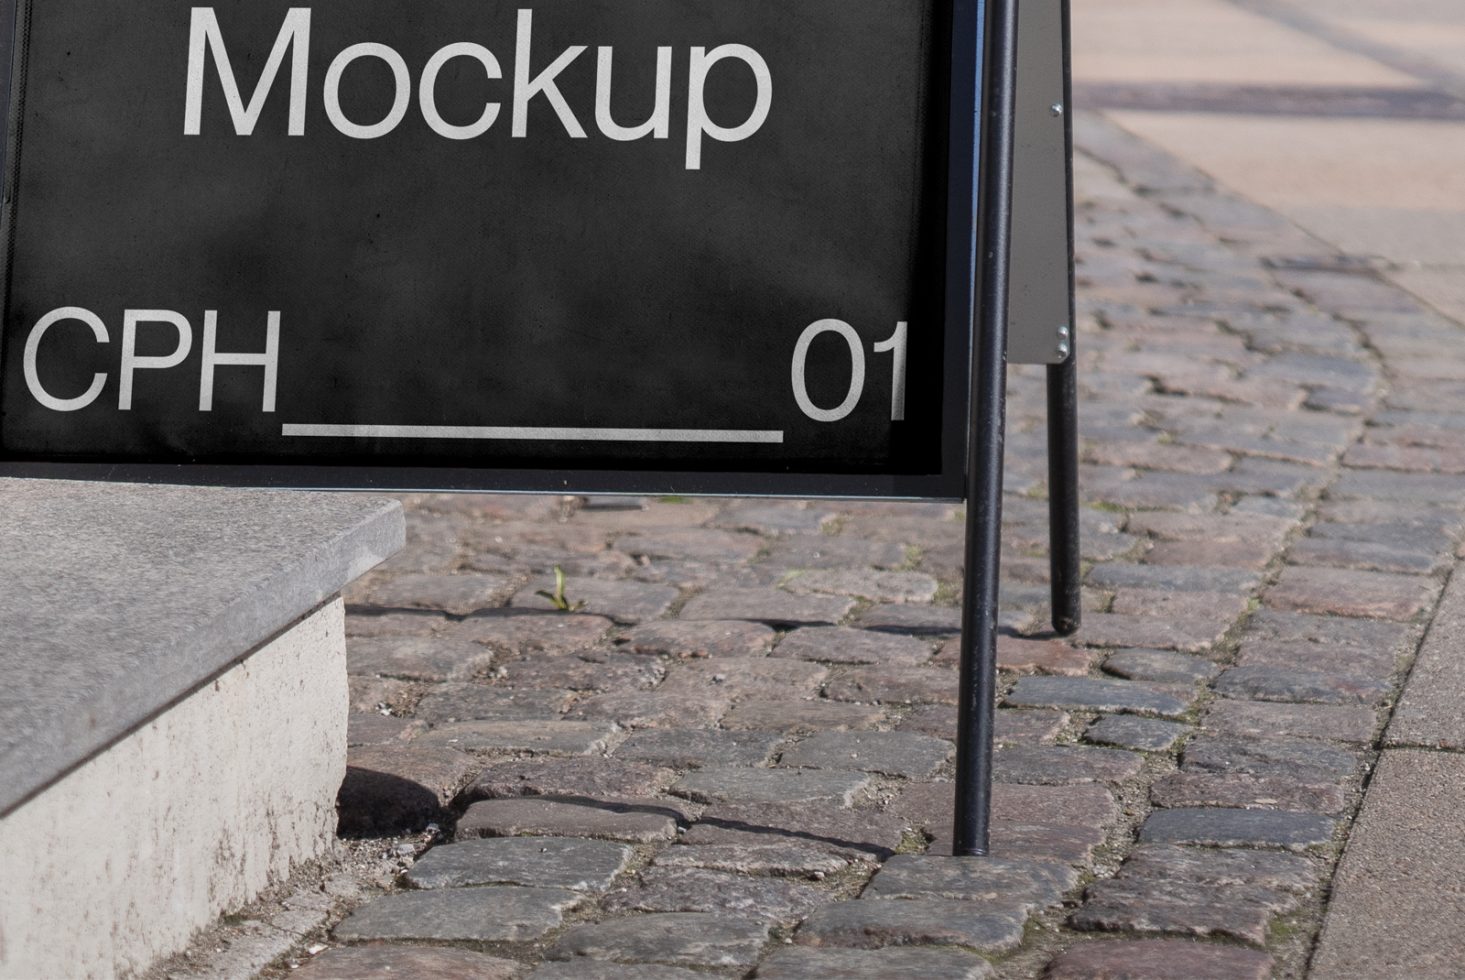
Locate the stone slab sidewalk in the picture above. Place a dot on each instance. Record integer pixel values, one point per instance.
(730, 756)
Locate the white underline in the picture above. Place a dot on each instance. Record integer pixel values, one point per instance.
(514, 432)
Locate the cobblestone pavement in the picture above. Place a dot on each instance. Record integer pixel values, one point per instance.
(730, 758)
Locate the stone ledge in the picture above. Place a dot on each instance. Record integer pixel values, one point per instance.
(120, 600)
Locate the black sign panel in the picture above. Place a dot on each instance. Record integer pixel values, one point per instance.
(656, 245)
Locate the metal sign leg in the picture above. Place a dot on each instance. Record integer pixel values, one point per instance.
(1063, 553)
(976, 712)
(1063, 547)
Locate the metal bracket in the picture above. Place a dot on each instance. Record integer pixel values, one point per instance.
(1042, 209)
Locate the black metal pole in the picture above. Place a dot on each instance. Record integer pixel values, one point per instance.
(978, 682)
(1063, 533)
(1063, 553)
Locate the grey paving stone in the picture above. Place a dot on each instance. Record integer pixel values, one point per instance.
(1139, 734)
(525, 736)
(1260, 719)
(672, 889)
(694, 748)
(734, 784)
(1277, 870)
(692, 545)
(1160, 666)
(1368, 556)
(689, 638)
(1223, 827)
(515, 633)
(702, 939)
(1262, 683)
(873, 923)
(838, 644)
(392, 788)
(370, 728)
(1346, 592)
(640, 823)
(802, 716)
(1168, 907)
(1012, 725)
(585, 670)
(623, 600)
(583, 970)
(772, 606)
(418, 658)
(894, 685)
(494, 914)
(1355, 635)
(826, 551)
(594, 777)
(418, 962)
(1118, 630)
(477, 702)
(911, 619)
(372, 623)
(665, 709)
(882, 964)
(1116, 575)
(1204, 789)
(870, 584)
(1292, 758)
(458, 595)
(547, 862)
(1160, 959)
(892, 753)
(776, 517)
(744, 677)
(1021, 883)
(1051, 765)
(869, 834)
(784, 856)
(1094, 694)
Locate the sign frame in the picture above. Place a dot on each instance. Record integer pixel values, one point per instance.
(958, 71)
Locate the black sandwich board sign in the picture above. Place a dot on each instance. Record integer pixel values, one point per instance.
(657, 246)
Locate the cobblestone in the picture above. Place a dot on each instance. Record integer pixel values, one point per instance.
(477, 702)
(872, 923)
(685, 639)
(548, 862)
(1053, 765)
(1139, 734)
(593, 777)
(418, 658)
(1159, 959)
(671, 938)
(1093, 694)
(1159, 666)
(1221, 827)
(1252, 719)
(915, 963)
(419, 962)
(678, 889)
(802, 716)
(728, 784)
(841, 645)
(893, 753)
(523, 736)
(639, 823)
(772, 606)
(493, 914)
(694, 748)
